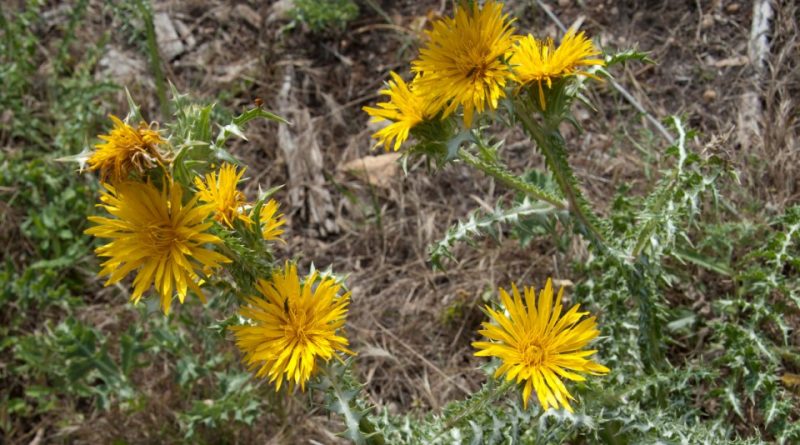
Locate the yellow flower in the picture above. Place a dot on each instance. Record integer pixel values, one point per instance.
(538, 345)
(126, 149)
(292, 326)
(404, 110)
(271, 220)
(541, 62)
(155, 234)
(463, 64)
(220, 190)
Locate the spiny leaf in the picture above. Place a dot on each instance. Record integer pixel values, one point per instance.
(479, 223)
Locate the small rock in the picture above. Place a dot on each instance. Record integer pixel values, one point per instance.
(709, 95)
(186, 34)
(125, 67)
(167, 36)
(733, 8)
(707, 22)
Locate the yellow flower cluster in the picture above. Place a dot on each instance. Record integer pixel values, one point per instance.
(160, 233)
(154, 233)
(292, 325)
(467, 62)
(538, 345)
(219, 189)
(167, 233)
(166, 239)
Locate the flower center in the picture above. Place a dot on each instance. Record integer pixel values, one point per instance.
(533, 354)
(162, 237)
(297, 327)
(477, 73)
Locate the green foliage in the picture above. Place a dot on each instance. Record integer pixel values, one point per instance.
(483, 223)
(196, 148)
(342, 396)
(691, 400)
(231, 405)
(752, 335)
(64, 359)
(78, 361)
(84, 366)
(322, 15)
(650, 247)
(43, 208)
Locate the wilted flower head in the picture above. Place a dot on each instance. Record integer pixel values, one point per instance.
(293, 326)
(541, 62)
(126, 149)
(462, 63)
(153, 233)
(539, 346)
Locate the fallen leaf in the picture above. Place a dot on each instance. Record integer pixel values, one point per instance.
(730, 61)
(789, 379)
(375, 170)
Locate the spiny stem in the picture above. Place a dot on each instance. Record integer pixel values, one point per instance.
(474, 405)
(367, 432)
(548, 141)
(636, 278)
(155, 57)
(501, 174)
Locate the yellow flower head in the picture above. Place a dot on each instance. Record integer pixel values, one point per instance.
(463, 64)
(292, 326)
(125, 149)
(541, 62)
(271, 220)
(155, 234)
(404, 110)
(220, 190)
(538, 345)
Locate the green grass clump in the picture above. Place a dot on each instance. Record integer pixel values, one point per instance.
(322, 15)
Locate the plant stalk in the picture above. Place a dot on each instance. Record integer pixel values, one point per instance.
(155, 57)
(475, 405)
(551, 145)
(501, 174)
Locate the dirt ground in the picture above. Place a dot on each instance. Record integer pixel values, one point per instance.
(413, 326)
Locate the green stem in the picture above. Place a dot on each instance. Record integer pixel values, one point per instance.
(550, 142)
(642, 289)
(501, 174)
(155, 57)
(361, 430)
(476, 403)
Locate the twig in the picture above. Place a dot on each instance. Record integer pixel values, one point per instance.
(750, 109)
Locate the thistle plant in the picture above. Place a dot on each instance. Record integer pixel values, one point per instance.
(174, 221)
(179, 224)
(473, 71)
